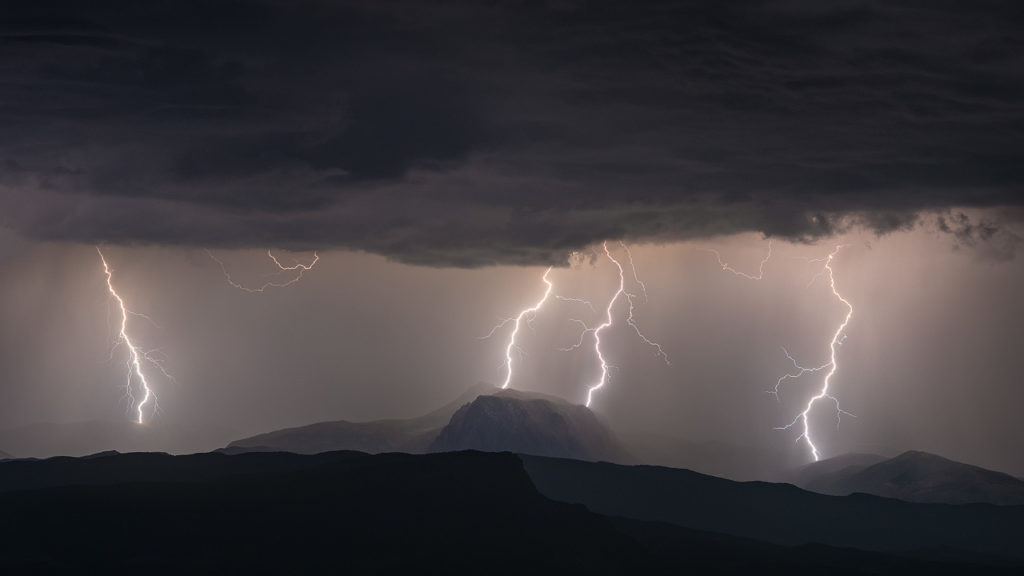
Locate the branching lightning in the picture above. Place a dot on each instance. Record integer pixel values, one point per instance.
(526, 314)
(609, 320)
(725, 265)
(837, 339)
(800, 371)
(136, 355)
(299, 269)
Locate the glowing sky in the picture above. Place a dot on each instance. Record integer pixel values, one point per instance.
(439, 157)
(929, 362)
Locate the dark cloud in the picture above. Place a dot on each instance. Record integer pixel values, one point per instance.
(460, 134)
(984, 235)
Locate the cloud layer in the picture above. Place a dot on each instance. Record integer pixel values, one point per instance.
(459, 134)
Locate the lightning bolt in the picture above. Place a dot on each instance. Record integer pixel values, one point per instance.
(837, 339)
(725, 265)
(527, 314)
(298, 268)
(135, 354)
(609, 320)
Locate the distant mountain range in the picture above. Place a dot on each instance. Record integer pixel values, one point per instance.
(467, 513)
(482, 418)
(4, 455)
(487, 419)
(914, 477)
(412, 435)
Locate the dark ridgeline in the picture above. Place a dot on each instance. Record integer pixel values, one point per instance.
(452, 513)
(778, 513)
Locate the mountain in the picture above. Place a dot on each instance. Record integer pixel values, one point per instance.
(715, 458)
(917, 477)
(412, 435)
(528, 423)
(453, 513)
(838, 466)
(81, 438)
(778, 513)
(5, 455)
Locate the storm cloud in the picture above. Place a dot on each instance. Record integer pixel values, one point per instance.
(462, 134)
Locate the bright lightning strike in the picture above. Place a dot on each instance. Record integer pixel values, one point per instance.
(630, 297)
(299, 269)
(135, 354)
(527, 314)
(837, 338)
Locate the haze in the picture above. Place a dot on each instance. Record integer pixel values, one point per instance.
(928, 363)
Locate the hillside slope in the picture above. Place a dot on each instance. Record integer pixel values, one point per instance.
(921, 477)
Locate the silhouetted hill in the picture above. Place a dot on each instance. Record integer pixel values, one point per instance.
(839, 465)
(715, 458)
(81, 438)
(777, 513)
(918, 477)
(528, 423)
(110, 467)
(452, 513)
(412, 435)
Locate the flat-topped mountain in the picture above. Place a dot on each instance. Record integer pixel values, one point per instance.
(482, 418)
(527, 423)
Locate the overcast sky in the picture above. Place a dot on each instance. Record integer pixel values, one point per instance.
(439, 156)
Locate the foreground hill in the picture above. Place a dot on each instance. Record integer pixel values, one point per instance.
(412, 435)
(454, 513)
(778, 513)
(528, 424)
(916, 477)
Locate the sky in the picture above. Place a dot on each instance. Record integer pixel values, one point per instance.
(439, 156)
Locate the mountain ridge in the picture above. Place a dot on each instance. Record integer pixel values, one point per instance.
(529, 423)
(412, 435)
(392, 513)
(916, 476)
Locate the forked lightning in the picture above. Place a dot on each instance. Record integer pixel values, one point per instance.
(837, 339)
(135, 354)
(298, 268)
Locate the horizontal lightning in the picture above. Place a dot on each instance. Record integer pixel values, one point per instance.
(299, 269)
(725, 265)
